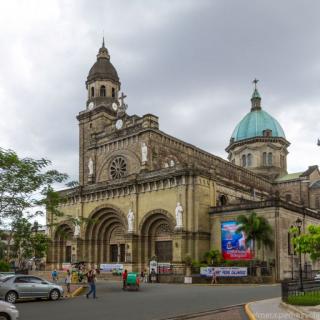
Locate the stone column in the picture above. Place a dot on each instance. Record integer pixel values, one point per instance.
(178, 246)
(132, 254)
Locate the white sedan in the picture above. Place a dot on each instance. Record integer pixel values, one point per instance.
(8, 311)
(317, 277)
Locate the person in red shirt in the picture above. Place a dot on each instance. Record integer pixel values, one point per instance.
(124, 279)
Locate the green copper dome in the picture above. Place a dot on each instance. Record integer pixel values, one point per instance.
(256, 122)
(253, 125)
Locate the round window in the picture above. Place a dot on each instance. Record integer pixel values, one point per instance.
(118, 168)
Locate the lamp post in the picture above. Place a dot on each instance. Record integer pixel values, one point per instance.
(291, 252)
(298, 224)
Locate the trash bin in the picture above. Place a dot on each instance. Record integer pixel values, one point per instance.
(133, 281)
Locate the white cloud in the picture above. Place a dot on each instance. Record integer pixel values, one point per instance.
(190, 62)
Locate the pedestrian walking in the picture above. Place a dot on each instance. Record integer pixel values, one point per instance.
(68, 281)
(145, 280)
(54, 275)
(124, 279)
(142, 276)
(214, 276)
(91, 279)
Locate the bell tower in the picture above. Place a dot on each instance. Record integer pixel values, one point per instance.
(100, 115)
(103, 84)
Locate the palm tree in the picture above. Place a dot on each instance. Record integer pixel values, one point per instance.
(257, 229)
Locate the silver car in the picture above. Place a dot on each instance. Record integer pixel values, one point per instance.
(17, 287)
(8, 311)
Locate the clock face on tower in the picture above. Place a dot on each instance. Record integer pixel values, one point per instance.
(119, 124)
(114, 106)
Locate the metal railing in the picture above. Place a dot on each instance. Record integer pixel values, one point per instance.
(291, 289)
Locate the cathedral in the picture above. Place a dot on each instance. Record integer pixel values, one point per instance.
(145, 195)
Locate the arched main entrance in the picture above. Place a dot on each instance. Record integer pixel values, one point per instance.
(156, 236)
(105, 237)
(62, 243)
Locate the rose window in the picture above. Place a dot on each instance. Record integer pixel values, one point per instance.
(118, 168)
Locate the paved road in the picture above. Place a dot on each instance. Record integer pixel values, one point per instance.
(153, 301)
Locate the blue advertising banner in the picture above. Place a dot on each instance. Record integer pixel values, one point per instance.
(233, 244)
(227, 272)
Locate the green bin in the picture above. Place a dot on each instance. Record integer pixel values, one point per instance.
(133, 280)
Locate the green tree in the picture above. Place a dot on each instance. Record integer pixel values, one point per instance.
(213, 257)
(21, 182)
(257, 229)
(308, 242)
(27, 242)
(22, 245)
(40, 243)
(25, 184)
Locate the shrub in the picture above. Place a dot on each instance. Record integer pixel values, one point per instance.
(4, 266)
(305, 299)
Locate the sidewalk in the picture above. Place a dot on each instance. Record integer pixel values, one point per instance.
(276, 309)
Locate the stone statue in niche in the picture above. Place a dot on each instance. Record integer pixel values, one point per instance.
(130, 218)
(179, 211)
(90, 166)
(144, 152)
(77, 227)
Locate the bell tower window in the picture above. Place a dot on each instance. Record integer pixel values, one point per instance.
(92, 92)
(102, 91)
(113, 92)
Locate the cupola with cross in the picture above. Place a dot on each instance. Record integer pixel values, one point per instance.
(258, 142)
(103, 82)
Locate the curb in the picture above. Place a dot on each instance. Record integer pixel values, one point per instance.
(78, 291)
(293, 309)
(203, 313)
(249, 312)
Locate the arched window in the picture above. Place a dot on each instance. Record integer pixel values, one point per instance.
(269, 159)
(102, 91)
(113, 93)
(92, 92)
(244, 161)
(264, 159)
(223, 200)
(249, 160)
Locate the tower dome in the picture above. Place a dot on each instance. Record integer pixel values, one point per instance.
(258, 141)
(103, 68)
(102, 83)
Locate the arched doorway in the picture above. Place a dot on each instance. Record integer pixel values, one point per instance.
(105, 237)
(117, 245)
(156, 237)
(62, 243)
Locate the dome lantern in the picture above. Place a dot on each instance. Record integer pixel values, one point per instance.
(256, 98)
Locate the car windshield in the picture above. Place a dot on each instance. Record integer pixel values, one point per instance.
(5, 278)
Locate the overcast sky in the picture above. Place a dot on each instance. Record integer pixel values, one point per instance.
(189, 62)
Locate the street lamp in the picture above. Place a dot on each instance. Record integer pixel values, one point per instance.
(298, 224)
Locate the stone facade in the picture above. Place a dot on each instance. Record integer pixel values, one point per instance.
(126, 163)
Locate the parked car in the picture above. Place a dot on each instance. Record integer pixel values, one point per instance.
(8, 311)
(13, 288)
(317, 277)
